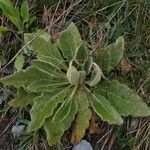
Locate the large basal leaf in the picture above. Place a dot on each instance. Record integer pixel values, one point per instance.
(55, 129)
(25, 77)
(104, 110)
(47, 68)
(43, 108)
(73, 75)
(40, 45)
(22, 98)
(83, 117)
(70, 41)
(46, 85)
(124, 100)
(95, 76)
(109, 57)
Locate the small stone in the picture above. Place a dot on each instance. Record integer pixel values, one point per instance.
(83, 145)
(17, 130)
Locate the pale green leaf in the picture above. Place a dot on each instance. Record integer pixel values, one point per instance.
(22, 98)
(83, 117)
(46, 85)
(73, 75)
(109, 57)
(124, 99)
(44, 106)
(25, 77)
(104, 110)
(70, 41)
(19, 62)
(95, 76)
(82, 53)
(24, 11)
(88, 65)
(47, 68)
(55, 130)
(46, 50)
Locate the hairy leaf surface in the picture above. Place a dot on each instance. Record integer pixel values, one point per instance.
(73, 75)
(23, 98)
(25, 77)
(46, 85)
(83, 117)
(109, 57)
(55, 129)
(70, 41)
(124, 100)
(96, 75)
(104, 110)
(43, 108)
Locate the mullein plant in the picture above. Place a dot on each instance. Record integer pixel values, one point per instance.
(67, 83)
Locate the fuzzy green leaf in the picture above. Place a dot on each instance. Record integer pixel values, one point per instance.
(124, 100)
(55, 130)
(25, 77)
(82, 53)
(73, 75)
(47, 68)
(96, 75)
(70, 41)
(24, 11)
(109, 57)
(43, 108)
(83, 117)
(10, 12)
(88, 65)
(104, 110)
(43, 47)
(19, 62)
(22, 98)
(45, 85)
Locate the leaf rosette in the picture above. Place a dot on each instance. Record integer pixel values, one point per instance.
(66, 83)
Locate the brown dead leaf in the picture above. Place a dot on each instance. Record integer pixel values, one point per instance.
(94, 126)
(125, 65)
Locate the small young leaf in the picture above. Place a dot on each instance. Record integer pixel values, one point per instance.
(124, 100)
(104, 110)
(25, 77)
(96, 75)
(88, 65)
(82, 54)
(24, 11)
(73, 75)
(70, 41)
(43, 108)
(19, 62)
(23, 98)
(109, 57)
